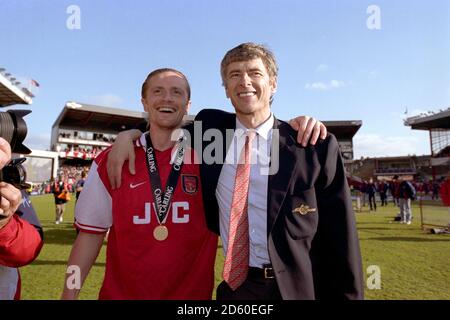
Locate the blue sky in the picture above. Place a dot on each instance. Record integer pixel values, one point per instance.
(332, 66)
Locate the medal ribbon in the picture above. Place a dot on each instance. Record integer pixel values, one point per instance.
(163, 199)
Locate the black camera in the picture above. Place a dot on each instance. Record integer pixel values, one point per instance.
(14, 130)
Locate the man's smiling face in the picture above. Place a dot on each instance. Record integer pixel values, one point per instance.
(166, 100)
(249, 86)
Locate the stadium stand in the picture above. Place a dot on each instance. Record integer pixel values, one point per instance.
(11, 92)
(40, 165)
(438, 126)
(82, 131)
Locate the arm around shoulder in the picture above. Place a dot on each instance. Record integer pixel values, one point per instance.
(122, 150)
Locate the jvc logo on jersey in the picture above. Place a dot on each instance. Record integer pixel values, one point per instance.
(178, 216)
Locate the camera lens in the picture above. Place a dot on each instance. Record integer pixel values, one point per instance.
(15, 174)
(14, 129)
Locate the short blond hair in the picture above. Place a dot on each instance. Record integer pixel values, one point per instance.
(249, 51)
(162, 70)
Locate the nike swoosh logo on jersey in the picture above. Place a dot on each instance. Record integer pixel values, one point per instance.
(132, 186)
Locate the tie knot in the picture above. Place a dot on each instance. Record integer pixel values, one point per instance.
(251, 134)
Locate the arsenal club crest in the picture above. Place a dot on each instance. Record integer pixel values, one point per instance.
(189, 183)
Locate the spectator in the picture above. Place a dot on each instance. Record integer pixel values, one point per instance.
(80, 184)
(363, 192)
(59, 188)
(435, 188)
(407, 193)
(382, 189)
(395, 184)
(371, 191)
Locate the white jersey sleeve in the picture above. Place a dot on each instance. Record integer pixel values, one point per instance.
(93, 211)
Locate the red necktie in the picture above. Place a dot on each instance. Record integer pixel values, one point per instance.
(236, 263)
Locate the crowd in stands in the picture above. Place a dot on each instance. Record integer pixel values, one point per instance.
(95, 137)
(87, 153)
(82, 149)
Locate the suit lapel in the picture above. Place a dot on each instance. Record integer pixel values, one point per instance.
(227, 130)
(231, 126)
(280, 181)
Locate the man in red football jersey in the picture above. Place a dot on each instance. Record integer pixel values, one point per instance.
(159, 246)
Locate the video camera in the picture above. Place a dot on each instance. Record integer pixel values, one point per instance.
(14, 130)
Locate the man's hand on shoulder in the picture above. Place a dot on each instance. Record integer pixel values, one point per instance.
(309, 130)
(122, 150)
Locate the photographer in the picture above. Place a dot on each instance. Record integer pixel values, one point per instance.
(20, 241)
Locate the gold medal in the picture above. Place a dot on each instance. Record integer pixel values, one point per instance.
(160, 233)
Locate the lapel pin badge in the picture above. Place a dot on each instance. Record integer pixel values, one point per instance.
(303, 210)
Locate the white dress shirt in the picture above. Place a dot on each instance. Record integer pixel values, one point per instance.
(258, 188)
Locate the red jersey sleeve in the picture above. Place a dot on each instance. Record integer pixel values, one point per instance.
(20, 243)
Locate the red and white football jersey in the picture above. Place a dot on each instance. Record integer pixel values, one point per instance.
(137, 265)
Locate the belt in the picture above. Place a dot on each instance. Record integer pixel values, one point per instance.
(266, 272)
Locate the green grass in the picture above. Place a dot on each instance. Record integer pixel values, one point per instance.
(413, 264)
(435, 213)
(44, 278)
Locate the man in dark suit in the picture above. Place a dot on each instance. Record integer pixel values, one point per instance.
(309, 247)
(313, 254)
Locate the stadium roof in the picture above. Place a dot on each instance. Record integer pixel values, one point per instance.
(343, 129)
(88, 117)
(402, 158)
(10, 93)
(94, 118)
(439, 120)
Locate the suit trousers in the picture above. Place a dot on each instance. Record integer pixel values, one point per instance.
(251, 289)
(405, 209)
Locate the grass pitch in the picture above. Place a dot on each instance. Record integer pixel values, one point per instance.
(413, 264)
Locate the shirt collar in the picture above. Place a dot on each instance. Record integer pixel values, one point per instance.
(142, 142)
(263, 130)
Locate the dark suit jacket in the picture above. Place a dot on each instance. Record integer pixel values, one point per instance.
(316, 255)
